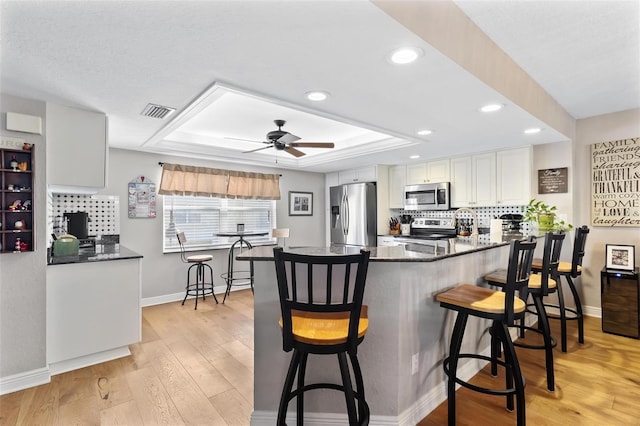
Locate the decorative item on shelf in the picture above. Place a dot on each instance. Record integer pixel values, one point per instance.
(14, 163)
(544, 216)
(16, 205)
(621, 257)
(11, 187)
(394, 226)
(20, 224)
(22, 166)
(26, 205)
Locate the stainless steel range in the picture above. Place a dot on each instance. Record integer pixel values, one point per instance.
(432, 229)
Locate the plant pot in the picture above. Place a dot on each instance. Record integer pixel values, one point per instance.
(545, 221)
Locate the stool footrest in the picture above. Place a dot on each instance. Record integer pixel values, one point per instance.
(554, 343)
(574, 315)
(488, 391)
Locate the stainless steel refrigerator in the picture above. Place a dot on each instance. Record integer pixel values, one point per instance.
(353, 214)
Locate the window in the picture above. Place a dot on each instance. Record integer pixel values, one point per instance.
(201, 218)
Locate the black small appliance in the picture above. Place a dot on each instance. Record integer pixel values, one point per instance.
(77, 224)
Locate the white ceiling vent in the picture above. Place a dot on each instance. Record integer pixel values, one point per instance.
(157, 111)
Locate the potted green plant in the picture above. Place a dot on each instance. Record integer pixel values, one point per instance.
(545, 216)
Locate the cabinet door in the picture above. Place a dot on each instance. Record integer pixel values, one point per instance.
(416, 173)
(484, 180)
(438, 171)
(365, 174)
(461, 182)
(76, 146)
(397, 179)
(514, 176)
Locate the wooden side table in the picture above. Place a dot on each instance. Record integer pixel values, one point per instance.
(620, 291)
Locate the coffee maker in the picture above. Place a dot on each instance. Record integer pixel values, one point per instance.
(77, 224)
(511, 223)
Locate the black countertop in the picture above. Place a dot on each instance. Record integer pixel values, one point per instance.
(101, 253)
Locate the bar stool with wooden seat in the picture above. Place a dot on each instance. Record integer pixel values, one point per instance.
(322, 313)
(200, 286)
(502, 308)
(280, 234)
(540, 285)
(569, 271)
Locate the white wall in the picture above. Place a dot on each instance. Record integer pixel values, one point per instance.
(603, 128)
(23, 275)
(165, 274)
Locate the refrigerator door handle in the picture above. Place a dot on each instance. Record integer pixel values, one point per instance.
(346, 214)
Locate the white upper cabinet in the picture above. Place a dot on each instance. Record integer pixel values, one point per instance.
(397, 181)
(514, 167)
(77, 150)
(364, 174)
(473, 180)
(438, 171)
(433, 171)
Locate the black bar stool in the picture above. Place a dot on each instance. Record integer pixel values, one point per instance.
(322, 313)
(200, 286)
(540, 285)
(569, 271)
(502, 308)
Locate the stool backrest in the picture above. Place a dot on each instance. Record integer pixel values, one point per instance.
(518, 272)
(182, 240)
(579, 243)
(551, 259)
(324, 283)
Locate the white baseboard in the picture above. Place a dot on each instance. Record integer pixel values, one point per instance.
(592, 311)
(87, 360)
(176, 297)
(25, 380)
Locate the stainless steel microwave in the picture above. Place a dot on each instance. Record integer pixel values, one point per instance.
(427, 196)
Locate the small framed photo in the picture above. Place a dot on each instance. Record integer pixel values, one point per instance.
(621, 257)
(240, 227)
(300, 203)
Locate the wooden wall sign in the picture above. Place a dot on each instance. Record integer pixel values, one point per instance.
(615, 183)
(553, 181)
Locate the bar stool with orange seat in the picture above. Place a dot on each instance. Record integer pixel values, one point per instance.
(569, 271)
(540, 285)
(322, 313)
(503, 308)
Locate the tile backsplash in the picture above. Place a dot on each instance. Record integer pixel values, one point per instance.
(485, 214)
(103, 210)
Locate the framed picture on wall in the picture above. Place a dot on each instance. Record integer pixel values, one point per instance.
(621, 257)
(300, 203)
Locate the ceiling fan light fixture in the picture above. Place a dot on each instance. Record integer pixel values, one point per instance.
(424, 132)
(532, 130)
(492, 107)
(414, 157)
(405, 55)
(317, 95)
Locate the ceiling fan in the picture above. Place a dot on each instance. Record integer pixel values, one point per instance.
(285, 141)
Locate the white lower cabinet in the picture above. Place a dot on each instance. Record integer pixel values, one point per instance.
(93, 310)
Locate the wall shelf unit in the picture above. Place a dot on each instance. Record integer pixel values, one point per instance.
(16, 198)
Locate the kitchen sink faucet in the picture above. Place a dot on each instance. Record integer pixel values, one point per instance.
(474, 216)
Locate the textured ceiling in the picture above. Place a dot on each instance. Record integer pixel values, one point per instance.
(116, 57)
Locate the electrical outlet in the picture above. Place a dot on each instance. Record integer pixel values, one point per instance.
(414, 364)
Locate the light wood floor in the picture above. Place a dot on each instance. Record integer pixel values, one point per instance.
(196, 367)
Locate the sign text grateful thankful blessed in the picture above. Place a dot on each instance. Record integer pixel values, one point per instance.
(615, 183)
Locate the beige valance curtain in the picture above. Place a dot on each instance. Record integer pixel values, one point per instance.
(179, 179)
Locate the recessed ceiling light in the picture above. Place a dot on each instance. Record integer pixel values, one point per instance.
(424, 132)
(317, 95)
(491, 108)
(413, 157)
(405, 55)
(533, 130)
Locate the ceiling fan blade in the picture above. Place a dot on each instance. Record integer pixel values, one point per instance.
(245, 140)
(313, 144)
(258, 149)
(288, 138)
(294, 151)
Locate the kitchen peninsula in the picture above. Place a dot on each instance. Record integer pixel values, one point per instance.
(93, 306)
(408, 332)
